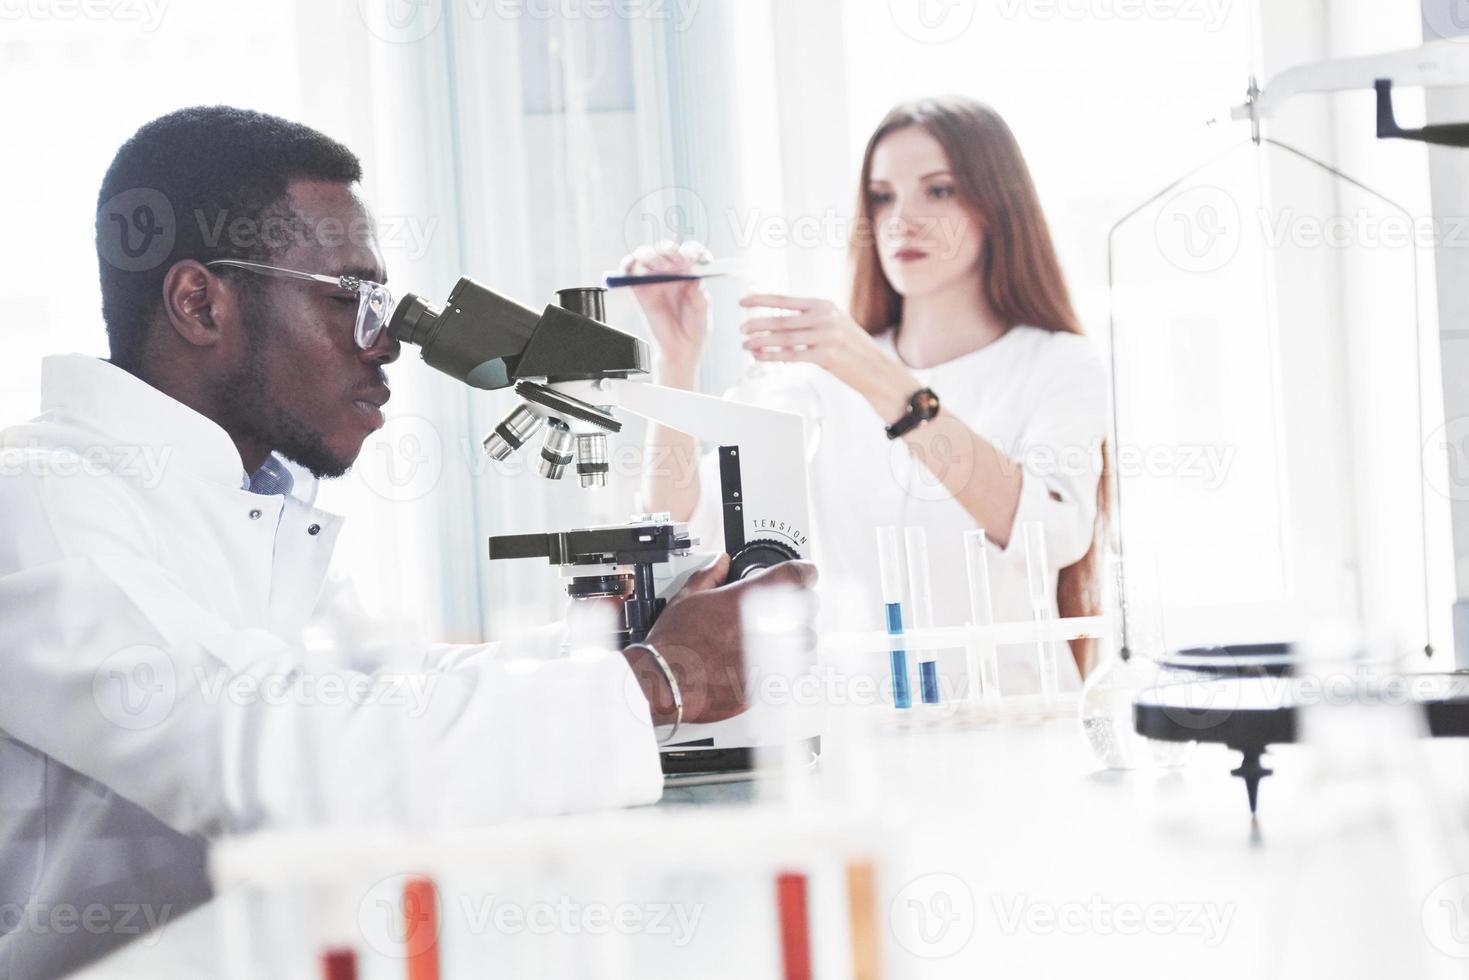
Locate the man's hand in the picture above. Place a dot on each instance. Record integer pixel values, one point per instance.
(699, 635)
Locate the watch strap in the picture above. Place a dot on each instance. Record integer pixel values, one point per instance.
(923, 405)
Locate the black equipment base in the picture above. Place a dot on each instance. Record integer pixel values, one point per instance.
(1251, 713)
(690, 758)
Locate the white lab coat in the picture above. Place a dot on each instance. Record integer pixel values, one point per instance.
(156, 690)
(1040, 397)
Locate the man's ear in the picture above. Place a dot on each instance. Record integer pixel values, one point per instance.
(193, 302)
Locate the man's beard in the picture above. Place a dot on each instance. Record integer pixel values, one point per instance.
(250, 412)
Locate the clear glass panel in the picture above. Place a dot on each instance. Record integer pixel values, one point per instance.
(1265, 335)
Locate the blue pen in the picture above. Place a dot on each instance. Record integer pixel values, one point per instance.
(700, 270)
(653, 278)
(889, 559)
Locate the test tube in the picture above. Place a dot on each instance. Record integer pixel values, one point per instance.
(920, 608)
(889, 560)
(982, 659)
(1038, 579)
(338, 963)
(862, 918)
(778, 626)
(795, 925)
(421, 928)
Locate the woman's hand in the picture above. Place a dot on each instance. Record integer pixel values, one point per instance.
(677, 312)
(821, 333)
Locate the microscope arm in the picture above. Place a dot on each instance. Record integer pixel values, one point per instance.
(771, 448)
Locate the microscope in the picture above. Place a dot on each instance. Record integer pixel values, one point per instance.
(574, 375)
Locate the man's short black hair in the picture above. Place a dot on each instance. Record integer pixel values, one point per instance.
(203, 183)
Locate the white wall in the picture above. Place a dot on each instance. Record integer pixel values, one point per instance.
(1446, 448)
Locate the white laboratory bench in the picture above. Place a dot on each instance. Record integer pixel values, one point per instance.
(1016, 854)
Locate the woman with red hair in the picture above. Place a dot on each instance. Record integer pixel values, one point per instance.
(954, 391)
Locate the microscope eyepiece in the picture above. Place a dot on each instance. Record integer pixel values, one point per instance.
(587, 301)
(412, 320)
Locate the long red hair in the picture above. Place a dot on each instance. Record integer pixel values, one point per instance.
(1019, 273)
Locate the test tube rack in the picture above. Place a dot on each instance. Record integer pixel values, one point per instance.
(978, 709)
(823, 870)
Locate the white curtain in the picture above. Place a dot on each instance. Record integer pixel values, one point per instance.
(531, 145)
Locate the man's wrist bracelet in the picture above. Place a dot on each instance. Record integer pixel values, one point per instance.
(672, 686)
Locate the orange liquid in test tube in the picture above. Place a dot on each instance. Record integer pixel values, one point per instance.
(421, 929)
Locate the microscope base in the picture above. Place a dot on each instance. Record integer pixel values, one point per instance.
(700, 757)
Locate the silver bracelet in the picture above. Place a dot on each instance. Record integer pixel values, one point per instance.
(672, 686)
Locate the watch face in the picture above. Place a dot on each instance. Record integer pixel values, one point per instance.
(926, 404)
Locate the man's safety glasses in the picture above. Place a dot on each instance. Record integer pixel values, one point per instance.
(374, 302)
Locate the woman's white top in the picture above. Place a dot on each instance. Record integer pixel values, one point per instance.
(1040, 397)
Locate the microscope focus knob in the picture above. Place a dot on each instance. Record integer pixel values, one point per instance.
(758, 554)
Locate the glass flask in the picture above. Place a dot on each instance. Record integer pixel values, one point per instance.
(1130, 666)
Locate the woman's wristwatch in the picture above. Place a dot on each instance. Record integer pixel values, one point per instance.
(923, 406)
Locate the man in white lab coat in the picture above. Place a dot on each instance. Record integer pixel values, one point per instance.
(159, 567)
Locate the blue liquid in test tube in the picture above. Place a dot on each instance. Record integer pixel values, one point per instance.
(928, 681)
(889, 559)
(898, 658)
(920, 609)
